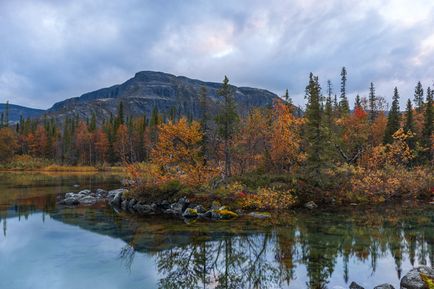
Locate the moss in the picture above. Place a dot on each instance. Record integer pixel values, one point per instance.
(226, 214)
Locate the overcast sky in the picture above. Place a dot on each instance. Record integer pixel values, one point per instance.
(53, 50)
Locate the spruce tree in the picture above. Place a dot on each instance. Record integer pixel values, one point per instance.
(409, 124)
(204, 120)
(226, 122)
(357, 102)
(418, 96)
(372, 103)
(392, 119)
(314, 133)
(344, 107)
(6, 120)
(428, 127)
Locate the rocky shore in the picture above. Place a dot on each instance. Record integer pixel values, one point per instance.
(182, 208)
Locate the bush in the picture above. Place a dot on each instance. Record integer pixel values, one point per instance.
(268, 199)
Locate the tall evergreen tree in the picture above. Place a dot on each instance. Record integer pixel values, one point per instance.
(418, 96)
(427, 130)
(226, 122)
(372, 103)
(314, 132)
(409, 124)
(392, 119)
(344, 107)
(6, 120)
(204, 121)
(357, 102)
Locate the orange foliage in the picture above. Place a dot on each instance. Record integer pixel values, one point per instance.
(8, 143)
(178, 152)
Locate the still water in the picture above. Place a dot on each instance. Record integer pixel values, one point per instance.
(43, 246)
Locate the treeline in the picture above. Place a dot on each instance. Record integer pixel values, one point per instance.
(327, 137)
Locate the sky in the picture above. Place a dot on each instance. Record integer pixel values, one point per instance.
(52, 50)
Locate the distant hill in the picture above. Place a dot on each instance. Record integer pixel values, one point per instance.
(149, 89)
(15, 111)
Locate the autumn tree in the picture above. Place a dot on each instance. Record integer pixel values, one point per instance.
(121, 145)
(178, 152)
(101, 145)
(226, 122)
(8, 143)
(393, 119)
(285, 139)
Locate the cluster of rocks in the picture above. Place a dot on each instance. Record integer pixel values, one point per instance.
(84, 197)
(120, 200)
(412, 280)
(181, 208)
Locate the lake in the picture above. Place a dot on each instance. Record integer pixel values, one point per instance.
(45, 246)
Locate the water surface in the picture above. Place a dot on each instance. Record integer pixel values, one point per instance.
(45, 246)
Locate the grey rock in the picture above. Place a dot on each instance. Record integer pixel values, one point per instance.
(76, 186)
(215, 205)
(200, 209)
(124, 205)
(190, 213)
(143, 209)
(117, 199)
(84, 192)
(71, 201)
(131, 203)
(87, 200)
(101, 192)
(384, 286)
(111, 194)
(354, 285)
(69, 195)
(259, 215)
(412, 279)
(311, 205)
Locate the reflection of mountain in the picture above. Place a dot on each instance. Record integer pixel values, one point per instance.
(243, 254)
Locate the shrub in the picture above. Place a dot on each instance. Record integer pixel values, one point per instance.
(268, 199)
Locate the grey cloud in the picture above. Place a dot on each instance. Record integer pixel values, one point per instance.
(52, 50)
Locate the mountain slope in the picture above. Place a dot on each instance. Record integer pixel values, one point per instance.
(15, 111)
(148, 89)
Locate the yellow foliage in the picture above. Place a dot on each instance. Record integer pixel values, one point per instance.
(268, 199)
(429, 282)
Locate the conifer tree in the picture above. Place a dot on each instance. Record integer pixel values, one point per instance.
(428, 127)
(226, 122)
(344, 107)
(314, 133)
(392, 119)
(372, 103)
(204, 120)
(418, 96)
(409, 124)
(357, 102)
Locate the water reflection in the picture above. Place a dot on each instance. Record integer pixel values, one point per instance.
(295, 250)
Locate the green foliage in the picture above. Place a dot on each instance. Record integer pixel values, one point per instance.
(393, 119)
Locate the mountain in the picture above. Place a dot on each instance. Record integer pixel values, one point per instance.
(149, 89)
(15, 111)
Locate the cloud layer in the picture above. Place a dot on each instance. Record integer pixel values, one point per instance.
(52, 50)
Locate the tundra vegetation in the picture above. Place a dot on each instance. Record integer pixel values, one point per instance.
(272, 158)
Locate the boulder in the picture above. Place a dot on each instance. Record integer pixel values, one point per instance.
(131, 203)
(124, 205)
(84, 192)
(143, 209)
(117, 198)
(259, 215)
(70, 195)
(354, 285)
(413, 279)
(113, 193)
(200, 209)
(101, 193)
(190, 213)
(384, 286)
(87, 200)
(311, 205)
(70, 201)
(225, 214)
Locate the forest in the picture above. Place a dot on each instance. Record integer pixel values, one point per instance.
(272, 158)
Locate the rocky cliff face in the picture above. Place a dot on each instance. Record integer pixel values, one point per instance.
(148, 89)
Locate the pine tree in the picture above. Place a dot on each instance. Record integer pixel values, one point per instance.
(6, 120)
(428, 127)
(344, 107)
(409, 124)
(392, 119)
(357, 102)
(314, 133)
(226, 122)
(418, 96)
(372, 103)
